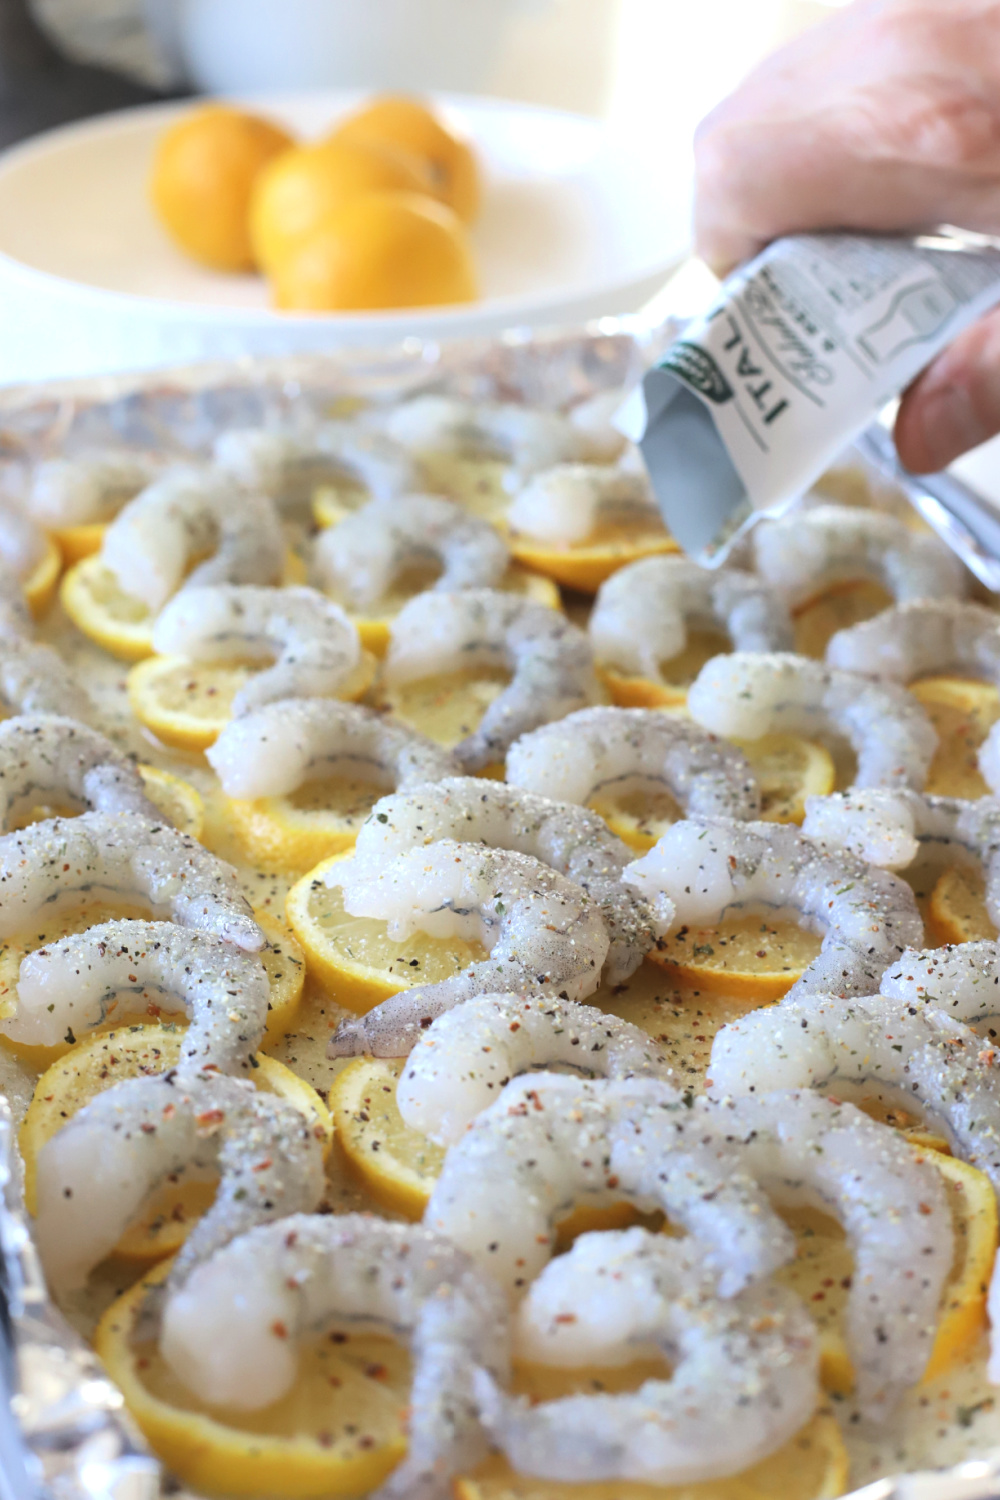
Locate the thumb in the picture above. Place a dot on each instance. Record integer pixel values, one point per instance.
(955, 404)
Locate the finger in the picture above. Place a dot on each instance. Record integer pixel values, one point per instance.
(955, 404)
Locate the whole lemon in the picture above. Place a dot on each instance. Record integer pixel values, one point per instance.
(411, 126)
(383, 250)
(301, 190)
(203, 172)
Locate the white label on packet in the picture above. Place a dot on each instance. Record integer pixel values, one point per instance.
(800, 351)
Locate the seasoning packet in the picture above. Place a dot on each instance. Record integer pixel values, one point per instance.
(797, 355)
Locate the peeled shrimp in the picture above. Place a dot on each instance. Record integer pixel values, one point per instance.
(359, 560)
(897, 1051)
(231, 1331)
(530, 438)
(921, 637)
(462, 1061)
(550, 1142)
(89, 489)
(22, 541)
(744, 1377)
(288, 466)
(551, 661)
(960, 980)
(68, 987)
(714, 868)
(150, 545)
(642, 613)
(96, 1173)
(540, 930)
(316, 646)
(34, 679)
(805, 551)
(746, 695)
(597, 751)
(563, 505)
(569, 839)
(47, 756)
(276, 749)
(125, 855)
(894, 828)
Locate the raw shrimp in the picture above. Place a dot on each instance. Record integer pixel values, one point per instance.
(712, 868)
(898, 1051)
(960, 980)
(46, 756)
(744, 1371)
(642, 613)
(34, 679)
(921, 637)
(90, 489)
(151, 544)
(747, 695)
(276, 749)
(562, 506)
(529, 438)
(551, 661)
(540, 930)
(219, 1331)
(316, 646)
(550, 1142)
(288, 466)
(462, 1061)
(23, 543)
(597, 751)
(363, 557)
(805, 551)
(892, 829)
(96, 1173)
(124, 855)
(573, 841)
(67, 989)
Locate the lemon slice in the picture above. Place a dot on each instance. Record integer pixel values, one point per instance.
(293, 833)
(77, 542)
(40, 584)
(821, 1274)
(283, 961)
(748, 957)
(95, 1065)
(178, 800)
(957, 911)
(836, 608)
(187, 704)
(788, 769)
(354, 959)
(813, 1465)
(586, 566)
(678, 673)
(962, 712)
(123, 625)
(338, 1432)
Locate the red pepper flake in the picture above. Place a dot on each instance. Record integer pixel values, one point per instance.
(612, 1181)
(565, 1317)
(819, 1296)
(325, 1439)
(366, 1441)
(262, 1166)
(377, 1372)
(925, 1208)
(279, 1329)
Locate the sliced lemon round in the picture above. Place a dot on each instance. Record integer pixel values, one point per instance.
(40, 584)
(821, 1274)
(962, 712)
(292, 834)
(93, 1066)
(354, 959)
(836, 608)
(813, 1465)
(678, 674)
(642, 692)
(748, 957)
(177, 799)
(77, 542)
(283, 960)
(588, 564)
(957, 910)
(338, 1432)
(188, 704)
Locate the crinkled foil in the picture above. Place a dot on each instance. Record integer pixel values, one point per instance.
(65, 1434)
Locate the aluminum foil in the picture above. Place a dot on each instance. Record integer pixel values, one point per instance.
(64, 1433)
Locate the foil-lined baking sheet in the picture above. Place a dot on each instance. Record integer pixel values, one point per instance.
(64, 1432)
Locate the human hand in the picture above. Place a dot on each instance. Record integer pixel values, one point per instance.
(884, 118)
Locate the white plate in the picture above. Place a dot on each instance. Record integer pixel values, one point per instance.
(576, 224)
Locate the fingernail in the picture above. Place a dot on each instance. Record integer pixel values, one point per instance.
(949, 425)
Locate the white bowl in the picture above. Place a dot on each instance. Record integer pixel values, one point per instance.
(576, 224)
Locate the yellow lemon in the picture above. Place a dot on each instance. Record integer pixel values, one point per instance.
(408, 125)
